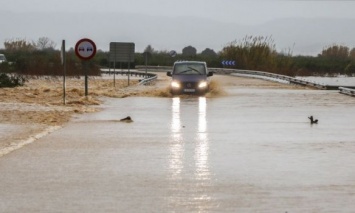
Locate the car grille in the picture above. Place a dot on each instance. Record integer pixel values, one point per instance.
(189, 85)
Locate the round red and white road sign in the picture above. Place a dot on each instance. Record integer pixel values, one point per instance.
(85, 49)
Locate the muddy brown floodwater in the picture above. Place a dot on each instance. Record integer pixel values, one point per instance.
(247, 146)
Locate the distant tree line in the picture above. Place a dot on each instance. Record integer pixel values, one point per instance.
(333, 60)
(250, 53)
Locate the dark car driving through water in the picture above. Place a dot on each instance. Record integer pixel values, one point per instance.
(189, 77)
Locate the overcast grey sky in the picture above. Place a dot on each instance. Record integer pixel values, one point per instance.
(233, 12)
(243, 12)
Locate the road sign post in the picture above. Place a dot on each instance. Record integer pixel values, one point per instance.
(147, 55)
(85, 49)
(64, 63)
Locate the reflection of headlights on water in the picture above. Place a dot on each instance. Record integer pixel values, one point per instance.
(202, 84)
(175, 84)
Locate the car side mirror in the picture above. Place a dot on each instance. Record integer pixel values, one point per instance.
(168, 74)
(210, 74)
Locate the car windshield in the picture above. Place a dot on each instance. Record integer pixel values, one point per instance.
(2, 57)
(189, 69)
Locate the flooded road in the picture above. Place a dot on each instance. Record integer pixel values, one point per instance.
(252, 150)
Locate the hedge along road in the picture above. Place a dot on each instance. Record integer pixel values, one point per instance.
(250, 150)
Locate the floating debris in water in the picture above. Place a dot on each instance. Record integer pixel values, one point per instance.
(127, 119)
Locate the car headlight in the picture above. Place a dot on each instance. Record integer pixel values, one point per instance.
(175, 84)
(202, 84)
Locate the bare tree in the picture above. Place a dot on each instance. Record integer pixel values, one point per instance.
(44, 43)
(352, 54)
(149, 49)
(336, 51)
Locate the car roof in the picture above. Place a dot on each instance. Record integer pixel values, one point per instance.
(190, 62)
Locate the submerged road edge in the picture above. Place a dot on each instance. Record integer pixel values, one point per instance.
(30, 140)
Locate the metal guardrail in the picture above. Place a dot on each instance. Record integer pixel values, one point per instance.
(290, 79)
(261, 74)
(154, 68)
(347, 91)
(148, 80)
(147, 77)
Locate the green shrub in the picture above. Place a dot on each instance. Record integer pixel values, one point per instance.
(7, 80)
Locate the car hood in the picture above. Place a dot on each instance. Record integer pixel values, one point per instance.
(189, 78)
